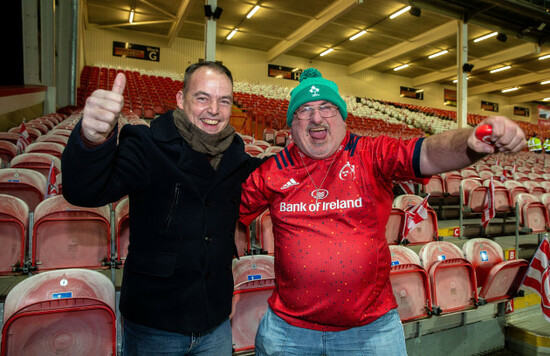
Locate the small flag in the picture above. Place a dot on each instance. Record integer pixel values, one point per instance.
(51, 188)
(23, 141)
(537, 277)
(488, 205)
(407, 187)
(415, 216)
(504, 176)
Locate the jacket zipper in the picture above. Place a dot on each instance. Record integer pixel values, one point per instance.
(172, 206)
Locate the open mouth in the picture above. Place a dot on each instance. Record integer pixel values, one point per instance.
(318, 133)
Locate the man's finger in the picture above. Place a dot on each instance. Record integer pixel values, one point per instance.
(119, 84)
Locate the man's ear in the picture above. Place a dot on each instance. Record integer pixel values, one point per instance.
(179, 99)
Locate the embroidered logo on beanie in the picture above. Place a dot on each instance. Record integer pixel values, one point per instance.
(314, 87)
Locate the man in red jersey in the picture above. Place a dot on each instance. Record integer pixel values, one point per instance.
(329, 194)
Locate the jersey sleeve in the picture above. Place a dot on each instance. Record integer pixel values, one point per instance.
(396, 159)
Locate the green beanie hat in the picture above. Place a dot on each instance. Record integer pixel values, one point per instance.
(314, 87)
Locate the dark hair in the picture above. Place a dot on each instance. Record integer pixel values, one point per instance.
(220, 68)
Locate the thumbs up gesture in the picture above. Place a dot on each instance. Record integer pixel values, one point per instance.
(101, 111)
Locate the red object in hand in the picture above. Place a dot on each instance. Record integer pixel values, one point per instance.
(483, 133)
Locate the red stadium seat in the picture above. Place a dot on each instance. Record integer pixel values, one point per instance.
(264, 233)
(39, 162)
(452, 277)
(54, 149)
(26, 184)
(254, 278)
(424, 232)
(410, 284)
(394, 227)
(532, 213)
(498, 279)
(68, 236)
(122, 235)
(14, 219)
(63, 312)
(8, 150)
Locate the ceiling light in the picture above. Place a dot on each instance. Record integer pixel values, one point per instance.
(131, 19)
(546, 99)
(326, 52)
(500, 69)
(232, 33)
(510, 89)
(544, 57)
(253, 11)
(545, 82)
(400, 67)
(400, 12)
(438, 54)
(357, 35)
(295, 70)
(492, 34)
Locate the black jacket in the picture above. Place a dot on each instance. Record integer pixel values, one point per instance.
(177, 275)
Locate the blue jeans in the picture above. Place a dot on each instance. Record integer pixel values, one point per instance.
(382, 337)
(139, 340)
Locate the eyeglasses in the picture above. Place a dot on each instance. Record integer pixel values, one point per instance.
(307, 112)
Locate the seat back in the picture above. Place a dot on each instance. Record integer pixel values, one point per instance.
(438, 251)
(254, 278)
(394, 227)
(533, 213)
(264, 233)
(8, 150)
(14, 218)
(435, 187)
(25, 184)
(484, 254)
(68, 312)
(39, 162)
(122, 235)
(68, 236)
(52, 148)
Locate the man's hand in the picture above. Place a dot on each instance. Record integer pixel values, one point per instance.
(102, 109)
(506, 137)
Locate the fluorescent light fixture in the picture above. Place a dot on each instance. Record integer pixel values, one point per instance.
(544, 57)
(253, 11)
(492, 34)
(420, 91)
(295, 70)
(456, 80)
(401, 67)
(510, 89)
(326, 52)
(400, 12)
(546, 99)
(500, 69)
(230, 36)
(357, 35)
(438, 54)
(131, 19)
(545, 82)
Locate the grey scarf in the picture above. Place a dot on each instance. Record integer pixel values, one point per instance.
(211, 145)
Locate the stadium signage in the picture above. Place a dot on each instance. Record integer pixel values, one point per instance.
(281, 72)
(130, 50)
(519, 111)
(489, 106)
(449, 97)
(411, 93)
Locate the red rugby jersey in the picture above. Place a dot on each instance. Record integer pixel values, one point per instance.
(332, 261)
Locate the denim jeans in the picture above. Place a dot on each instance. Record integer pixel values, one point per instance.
(139, 340)
(382, 337)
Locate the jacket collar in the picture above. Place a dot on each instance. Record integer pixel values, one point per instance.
(164, 129)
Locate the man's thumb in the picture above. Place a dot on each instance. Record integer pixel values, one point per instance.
(119, 84)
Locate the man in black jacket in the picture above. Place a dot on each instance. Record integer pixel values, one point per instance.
(183, 176)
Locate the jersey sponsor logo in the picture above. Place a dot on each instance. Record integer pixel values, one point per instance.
(321, 206)
(314, 91)
(347, 172)
(289, 184)
(319, 193)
